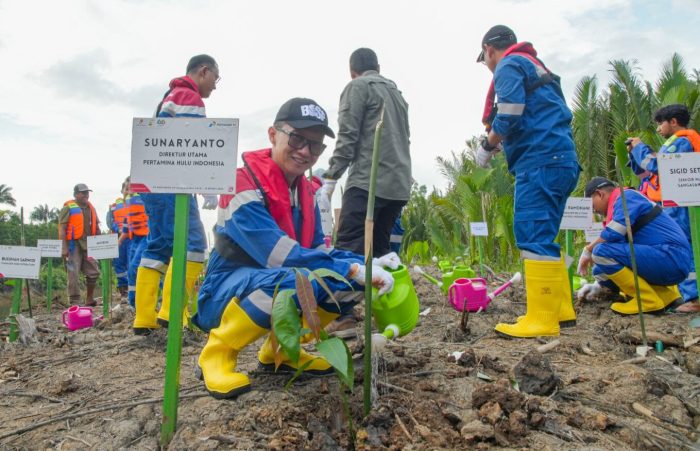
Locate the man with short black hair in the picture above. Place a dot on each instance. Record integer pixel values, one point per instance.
(361, 104)
(270, 226)
(657, 238)
(183, 99)
(672, 123)
(532, 124)
(76, 221)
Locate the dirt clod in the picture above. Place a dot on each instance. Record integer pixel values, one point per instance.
(535, 374)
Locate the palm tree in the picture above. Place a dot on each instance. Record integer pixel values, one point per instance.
(6, 195)
(43, 213)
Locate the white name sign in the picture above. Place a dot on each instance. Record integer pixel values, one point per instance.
(679, 174)
(49, 248)
(578, 214)
(184, 155)
(593, 231)
(102, 247)
(479, 228)
(20, 262)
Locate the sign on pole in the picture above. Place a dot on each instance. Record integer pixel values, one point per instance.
(680, 179)
(19, 262)
(479, 228)
(102, 247)
(184, 155)
(181, 156)
(578, 214)
(50, 248)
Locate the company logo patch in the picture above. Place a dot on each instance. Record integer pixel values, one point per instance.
(313, 110)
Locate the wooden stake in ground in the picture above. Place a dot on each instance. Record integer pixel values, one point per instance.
(369, 235)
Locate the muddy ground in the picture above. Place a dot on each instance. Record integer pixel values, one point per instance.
(100, 388)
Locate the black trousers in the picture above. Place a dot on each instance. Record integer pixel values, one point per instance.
(351, 225)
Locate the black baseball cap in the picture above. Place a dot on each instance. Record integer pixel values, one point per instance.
(80, 187)
(596, 183)
(302, 113)
(498, 34)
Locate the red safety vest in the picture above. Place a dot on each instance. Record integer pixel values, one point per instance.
(261, 173)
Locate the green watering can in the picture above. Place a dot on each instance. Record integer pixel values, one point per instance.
(395, 313)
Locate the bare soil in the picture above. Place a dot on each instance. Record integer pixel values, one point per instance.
(101, 388)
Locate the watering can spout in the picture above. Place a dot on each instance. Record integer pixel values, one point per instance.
(418, 270)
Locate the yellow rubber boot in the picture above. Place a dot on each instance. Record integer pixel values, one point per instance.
(545, 288)
(651, 302)
(219, 356)
(567, 314)
(192, 271)
(318, 366)
(147, 281)
(668, 294)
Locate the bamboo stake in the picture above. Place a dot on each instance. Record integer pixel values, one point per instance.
(369, 234)
(630, 240)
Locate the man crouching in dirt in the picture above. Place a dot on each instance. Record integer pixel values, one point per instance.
(662, 252)
(269, 226)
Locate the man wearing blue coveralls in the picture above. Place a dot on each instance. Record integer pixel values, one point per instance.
(533, 125)
(657, 239)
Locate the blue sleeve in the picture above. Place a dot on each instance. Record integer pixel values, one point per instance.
(637, 204)
(252, 227)
(643, 158)
(509, 80)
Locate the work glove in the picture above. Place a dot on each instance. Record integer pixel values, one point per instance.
(381, 278)
(326, 190)
(390, 260)
(210, 201)
(485, 152)
(584, 262)
(589, 291)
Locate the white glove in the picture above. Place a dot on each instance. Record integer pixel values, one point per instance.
(381, 278)
(483, 156)
(589, 291)
(326, 190)
(211, 201)
(390, 260)
(584, 262)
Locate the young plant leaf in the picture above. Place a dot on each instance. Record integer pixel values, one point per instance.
(286, 324)
(336, 352)
(307, 301)
(279, 355)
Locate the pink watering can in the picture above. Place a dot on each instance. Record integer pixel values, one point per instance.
(472, 295)
(77, 317)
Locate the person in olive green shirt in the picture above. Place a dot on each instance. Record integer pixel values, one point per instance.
(360, 108)
(76, 221)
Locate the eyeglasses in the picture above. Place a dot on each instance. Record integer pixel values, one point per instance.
(298, 142)
(216, 74)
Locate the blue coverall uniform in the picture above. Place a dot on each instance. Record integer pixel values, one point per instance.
(534, 123)
(662, 253)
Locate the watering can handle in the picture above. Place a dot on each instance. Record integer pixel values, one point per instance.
(63, 318)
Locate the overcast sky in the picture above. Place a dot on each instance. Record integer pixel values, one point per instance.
(74, 73)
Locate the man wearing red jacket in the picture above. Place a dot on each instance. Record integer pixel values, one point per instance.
(184, 99)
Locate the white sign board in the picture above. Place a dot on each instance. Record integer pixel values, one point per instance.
(184, 155)
(593, 231)
(103, 246)
(679, 174)
(20, 262)
(49, 248)
(479, 228)
(578, 214)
